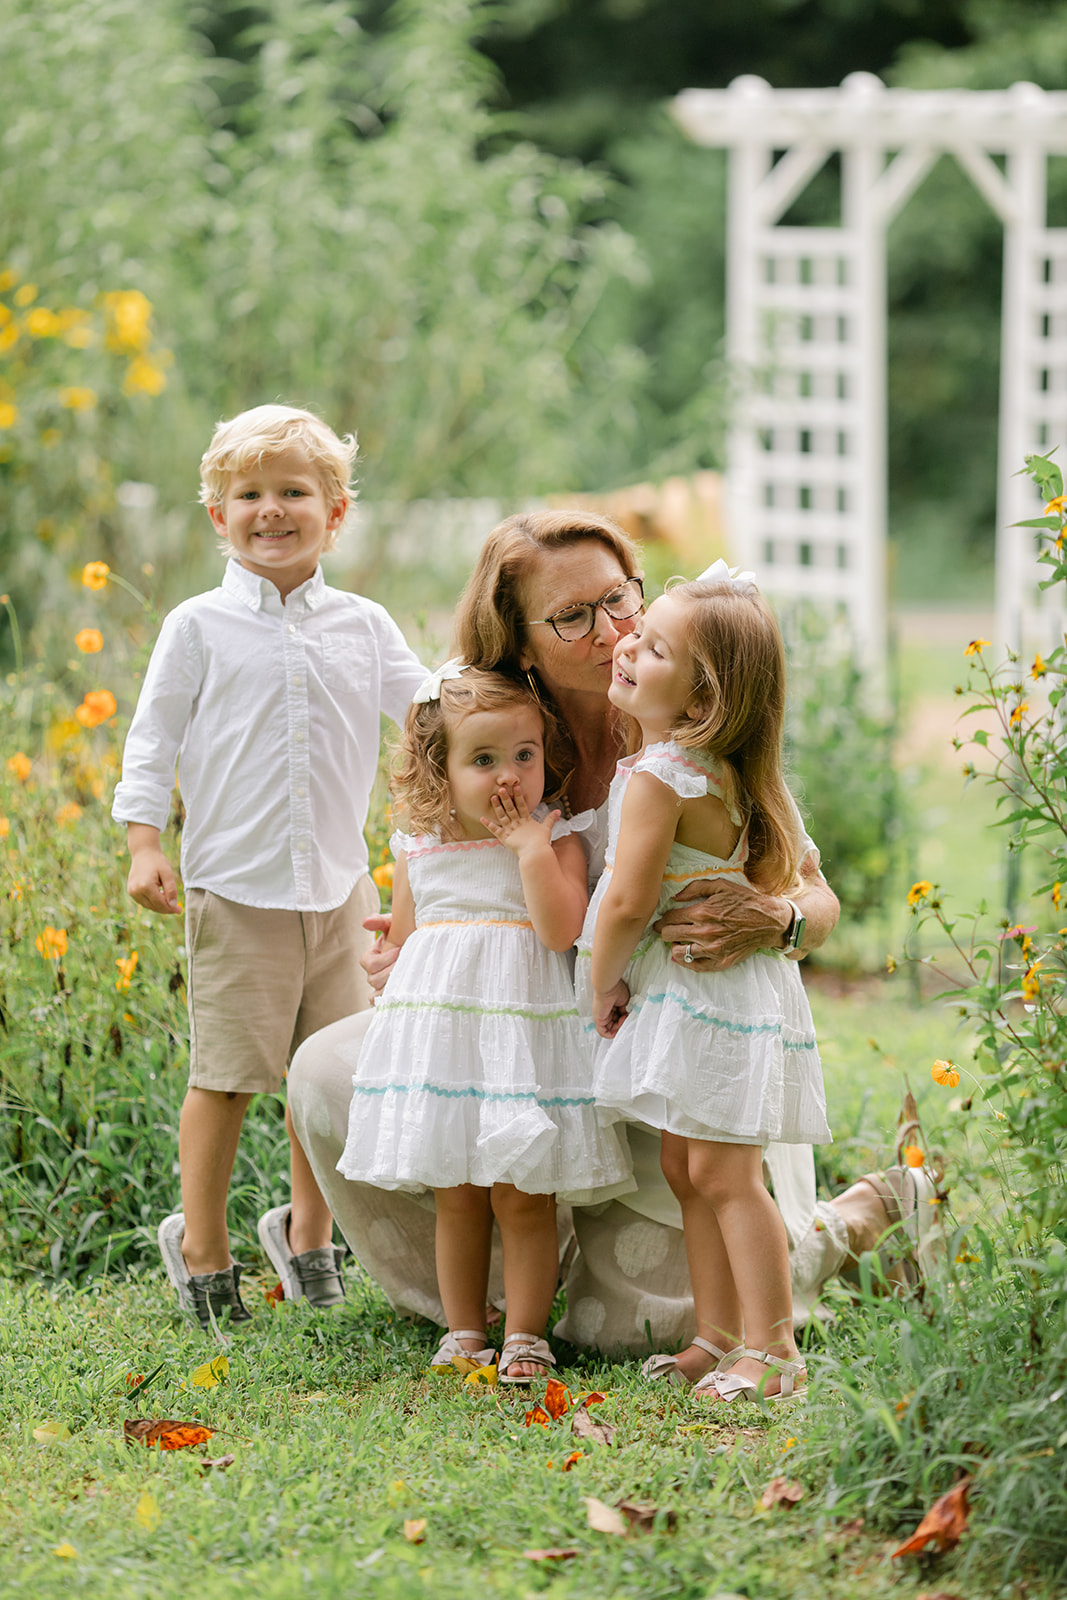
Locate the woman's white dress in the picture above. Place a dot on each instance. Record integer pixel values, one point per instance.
(728, 1056)
(476, 1067)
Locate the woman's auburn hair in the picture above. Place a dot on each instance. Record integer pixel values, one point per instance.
(419, 773)
(737, 714)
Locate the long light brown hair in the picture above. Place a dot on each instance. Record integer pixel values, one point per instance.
(419, 778)
(739, 693)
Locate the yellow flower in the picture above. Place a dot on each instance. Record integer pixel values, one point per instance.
(9, 414)
(19, 765)
(1038, 669)
(26, 295)
(15, 892)
(976, 647)
(383, 875)
(964, 1256)
(8, 279)
(913, 1156)
(1056, 505)
(1017, 715)
(128, 313)
(94, 574)
(98, 705)
(77, 399)
(89, 641)
(890, 963)
(52, 943)
(918, 891)
(127, 965)
(143, 377)
(5, 827)
(1056, 887)
(42, 323)
(1032, 982)
(944, 1073)
(70, 812)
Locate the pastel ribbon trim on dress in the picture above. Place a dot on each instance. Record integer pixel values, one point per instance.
(430, 687)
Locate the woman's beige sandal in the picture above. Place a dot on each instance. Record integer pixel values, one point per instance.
(723, 1384)
(450, 1348)
(664, 1366)
(523, 1347)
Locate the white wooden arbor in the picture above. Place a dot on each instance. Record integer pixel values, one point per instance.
(806, 315)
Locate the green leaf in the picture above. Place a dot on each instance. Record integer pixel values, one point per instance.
(1046, 474)
(1040, 522)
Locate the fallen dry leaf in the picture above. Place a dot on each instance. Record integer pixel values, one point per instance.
(166, 1432)
(218, 1463)
(539, 1416)
(484, 1375)
(52, 1433)
(571, 1461)
(211, 1374)
(135, 1382)
(641, 1515)
(602, 1518)
(557, 1399)
(847, 1530)
(550, 1555)
(780, 1492)
(415, 1530)
(583, 1426)
(274, 1296)
(943, 1524)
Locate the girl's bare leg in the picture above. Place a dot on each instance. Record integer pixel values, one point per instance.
(208, 1132)
(464, 1234)
(531, 1262)
(718, 1311)
(730, 1178)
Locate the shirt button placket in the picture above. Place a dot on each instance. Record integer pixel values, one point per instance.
(296, 691)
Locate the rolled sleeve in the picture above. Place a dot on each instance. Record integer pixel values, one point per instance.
(150, 756)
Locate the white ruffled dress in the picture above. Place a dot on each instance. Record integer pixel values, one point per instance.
(727, 1056)
(476, 1067)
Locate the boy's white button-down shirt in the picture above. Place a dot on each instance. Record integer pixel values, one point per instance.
(270, 710)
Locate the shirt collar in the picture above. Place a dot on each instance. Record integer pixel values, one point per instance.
(259, 594)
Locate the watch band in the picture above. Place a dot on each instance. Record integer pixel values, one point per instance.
(794, 934)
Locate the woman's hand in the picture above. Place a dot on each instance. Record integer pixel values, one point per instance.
(609, 1009)
(377, 962)
(725, 923)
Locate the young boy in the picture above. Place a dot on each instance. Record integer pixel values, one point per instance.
(268, 691)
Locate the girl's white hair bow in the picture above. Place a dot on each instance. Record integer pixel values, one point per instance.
(719, 572)
(430, 687)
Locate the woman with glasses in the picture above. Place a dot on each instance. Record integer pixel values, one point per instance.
(549, 598)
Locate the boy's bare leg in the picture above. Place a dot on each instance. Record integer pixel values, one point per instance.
(208, 1132)
(531, 1263)
(310, 1221)
(463, 1240)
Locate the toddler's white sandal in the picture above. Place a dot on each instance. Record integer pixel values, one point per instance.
(664, 1366)
(450, 1348)
(523, 1347)
(723, 1384)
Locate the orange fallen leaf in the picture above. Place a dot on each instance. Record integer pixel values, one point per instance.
(641, 1515)
(780, 1492)
(550, 1555)
(944, 1523)
(134, 1379)
(166, 1432)
(557, 1399)
(538, 1415)
(572, 1460)
(415, 1530)
(274, 1296)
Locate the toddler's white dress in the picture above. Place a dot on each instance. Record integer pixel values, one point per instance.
(476, 1067)
(728, 1056)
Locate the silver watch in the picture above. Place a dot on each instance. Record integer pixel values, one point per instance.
(794, 934)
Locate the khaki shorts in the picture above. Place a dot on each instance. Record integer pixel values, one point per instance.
(261, 981)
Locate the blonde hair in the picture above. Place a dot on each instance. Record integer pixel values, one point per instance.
(268, 431)
(739, 693)
(419, 778)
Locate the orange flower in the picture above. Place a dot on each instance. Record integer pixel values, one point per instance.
(944, 1073)
(5, 827)
(19, 765)
(94, 574)
(913, 1156)
(976, 647)
(383, 875)
(98, 705)
(127, 965)
(1017, 715)
(52, 943)
(68, 813)
(918, 891)
(89, 641)
(1038, 669)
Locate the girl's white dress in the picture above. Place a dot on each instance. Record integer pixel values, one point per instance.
(728, 1056)
(476, 1067)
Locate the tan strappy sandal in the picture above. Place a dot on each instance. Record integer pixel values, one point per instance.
(523, 1347)
(723, 1384)
(663, 1366)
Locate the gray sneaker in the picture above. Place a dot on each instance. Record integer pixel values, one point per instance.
(200, 1290)
(313, 1275)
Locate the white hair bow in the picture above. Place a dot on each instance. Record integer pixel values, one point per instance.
(719, 572)
(430, 687)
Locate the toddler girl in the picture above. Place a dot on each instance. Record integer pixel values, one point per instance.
(474, 1077)
(723, 1062)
